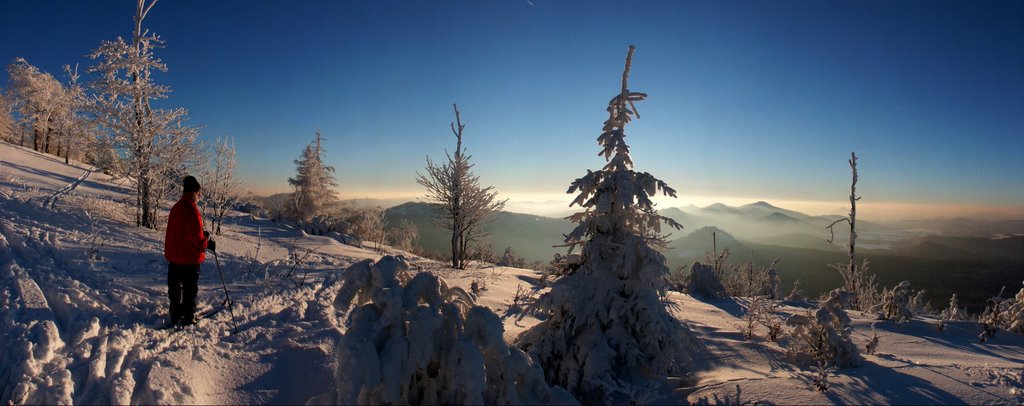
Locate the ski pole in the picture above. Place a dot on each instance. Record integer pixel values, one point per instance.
(227, 297)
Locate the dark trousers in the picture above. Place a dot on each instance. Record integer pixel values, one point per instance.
(182, 287)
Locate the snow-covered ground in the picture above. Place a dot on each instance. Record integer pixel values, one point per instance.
(83, 292)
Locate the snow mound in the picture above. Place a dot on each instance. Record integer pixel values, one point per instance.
(417, 340)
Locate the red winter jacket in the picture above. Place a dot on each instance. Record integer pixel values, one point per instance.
(184, 242)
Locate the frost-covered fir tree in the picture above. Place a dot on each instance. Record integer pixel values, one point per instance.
(314, 182)
(607, 337)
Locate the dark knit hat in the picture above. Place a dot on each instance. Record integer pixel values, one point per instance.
(190, 184)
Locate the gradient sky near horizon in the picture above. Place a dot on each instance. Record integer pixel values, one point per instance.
(748, 100)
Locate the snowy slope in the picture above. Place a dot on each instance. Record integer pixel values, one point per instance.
(82, 290)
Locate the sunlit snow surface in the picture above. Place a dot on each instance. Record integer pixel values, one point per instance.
(82, 291)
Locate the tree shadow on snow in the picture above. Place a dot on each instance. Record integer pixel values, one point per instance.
(866, 383)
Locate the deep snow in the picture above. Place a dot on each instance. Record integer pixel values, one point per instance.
(82, 292)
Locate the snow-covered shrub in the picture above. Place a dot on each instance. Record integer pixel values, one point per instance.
(255, 209)
(953, 312)
(608, 337)
(414, 339)
(368, 224)
(824, 337)
(511, 259)
(895, 304)
(872, 344)
(703, 281)
(745, 280)
(761, 312)
(322, 224)
(797, 294)
(918, 304)
(774, 288)
(404, 236)
(821, 372)
(1015, 314)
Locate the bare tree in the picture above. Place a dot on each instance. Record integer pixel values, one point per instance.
(156, 144)
(223, 183)
(466, 207)
(855, 278)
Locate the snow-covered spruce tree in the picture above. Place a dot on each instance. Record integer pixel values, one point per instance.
(313, 183)
(855, 279)
(223, 183)
(608, 337)
(824, 337)
(417, 340)
(465, 208)
(155, 144)
(895, 304)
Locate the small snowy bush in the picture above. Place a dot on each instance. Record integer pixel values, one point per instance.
(953, 312)
(895, 304)
(797, 294)
(322, 224)
(416, 340)
(824, 337)
(511, 259)
(1015, 314)
(703, 281)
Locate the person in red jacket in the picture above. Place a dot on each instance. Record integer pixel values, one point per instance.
(184, 248)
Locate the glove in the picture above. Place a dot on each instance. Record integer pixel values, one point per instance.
(211, 245)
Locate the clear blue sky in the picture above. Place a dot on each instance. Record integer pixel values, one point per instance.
(759, 100)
